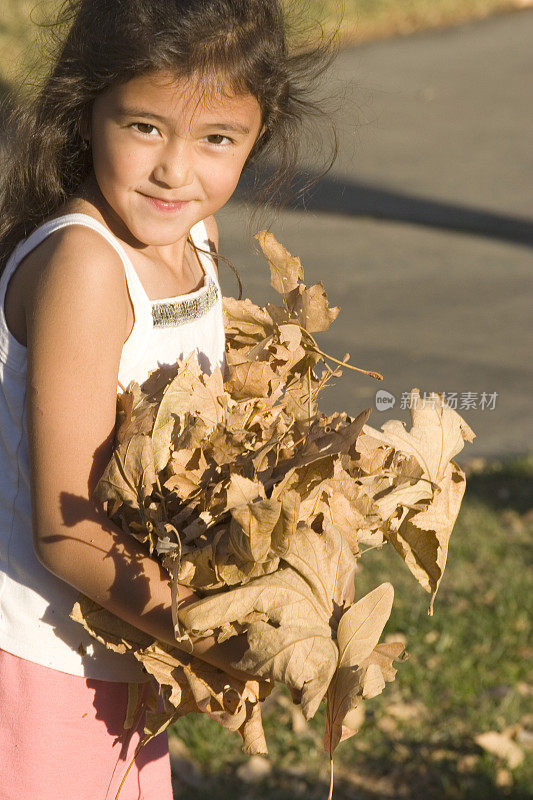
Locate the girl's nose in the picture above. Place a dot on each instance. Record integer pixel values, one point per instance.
(174, 165)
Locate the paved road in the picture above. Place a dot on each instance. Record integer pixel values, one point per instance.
(423, 232)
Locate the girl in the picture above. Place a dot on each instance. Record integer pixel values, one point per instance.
(114, 172)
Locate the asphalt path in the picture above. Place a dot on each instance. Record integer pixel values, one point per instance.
(423, 230)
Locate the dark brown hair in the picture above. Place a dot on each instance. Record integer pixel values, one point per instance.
(250, 44)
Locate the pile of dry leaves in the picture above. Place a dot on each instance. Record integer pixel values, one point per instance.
(262, 504)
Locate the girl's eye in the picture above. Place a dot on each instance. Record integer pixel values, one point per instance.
(141, 125)
(219, 139)
(216, 139)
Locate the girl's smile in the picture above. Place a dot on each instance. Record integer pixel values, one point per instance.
(166, 156)
(167, 205)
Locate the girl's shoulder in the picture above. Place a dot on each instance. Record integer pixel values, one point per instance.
(71, 259)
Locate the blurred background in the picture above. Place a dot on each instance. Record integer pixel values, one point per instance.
(422, 232)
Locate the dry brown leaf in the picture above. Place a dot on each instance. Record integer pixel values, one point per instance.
(108, 629)
(310, 307)
(296, 645)
(285, 270)
(245, 323)
(437, 434)
(189, 392)
(252, 379)
(257, 522)
(421, 534)
(130, 476)
(357, 635)
(422, 537)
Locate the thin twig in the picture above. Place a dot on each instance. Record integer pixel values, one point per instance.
(372, 374)
(309, 396)
(317, 350)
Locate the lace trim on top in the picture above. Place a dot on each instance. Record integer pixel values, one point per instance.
(186, 309)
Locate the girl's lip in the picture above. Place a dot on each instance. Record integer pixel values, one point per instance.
(163, 205)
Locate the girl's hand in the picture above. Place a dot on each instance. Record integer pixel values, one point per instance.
(224, 654)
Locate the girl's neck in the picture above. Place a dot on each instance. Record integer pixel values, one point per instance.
(89, 200)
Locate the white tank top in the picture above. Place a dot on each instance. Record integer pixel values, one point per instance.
(34, 603)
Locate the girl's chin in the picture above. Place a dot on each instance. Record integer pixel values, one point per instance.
(156, 232)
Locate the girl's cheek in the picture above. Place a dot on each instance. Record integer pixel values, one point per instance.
(119, 163)
(227, 175)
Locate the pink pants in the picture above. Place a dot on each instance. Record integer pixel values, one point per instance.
(61, 738)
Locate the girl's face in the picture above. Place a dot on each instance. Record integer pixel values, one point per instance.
(154, 137)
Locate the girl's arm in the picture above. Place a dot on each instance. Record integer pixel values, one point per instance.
(76, 317)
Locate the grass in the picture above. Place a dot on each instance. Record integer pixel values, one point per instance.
(467, 673)
(373, 19)
(360, 20)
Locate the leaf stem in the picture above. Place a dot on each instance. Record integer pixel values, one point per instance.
(161, 497)
(404, 475)
(330, 794)
(374, 546)
(137, 751)
(372, 374)
(309, 399)
(313, 346)
(336, 373)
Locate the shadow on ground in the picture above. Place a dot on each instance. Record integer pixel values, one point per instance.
(504, 484)
(427, 771)
(336, 196)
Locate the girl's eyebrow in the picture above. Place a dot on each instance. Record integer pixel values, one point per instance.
(225, 126)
